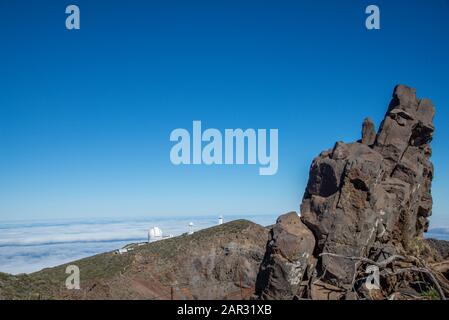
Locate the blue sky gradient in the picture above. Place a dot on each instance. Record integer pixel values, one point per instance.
(85, 116)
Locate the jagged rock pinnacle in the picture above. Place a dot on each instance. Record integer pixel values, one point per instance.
(364, 199)
(368, 132)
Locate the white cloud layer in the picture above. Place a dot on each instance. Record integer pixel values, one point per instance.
(29, 247)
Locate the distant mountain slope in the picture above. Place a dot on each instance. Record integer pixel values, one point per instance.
(216, 263)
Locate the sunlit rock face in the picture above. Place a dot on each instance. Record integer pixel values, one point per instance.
(369, 198)
(288, 257)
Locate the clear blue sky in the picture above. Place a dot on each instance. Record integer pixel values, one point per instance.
(85, 116)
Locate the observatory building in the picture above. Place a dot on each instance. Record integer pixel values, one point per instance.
(191, 228)
(154, 234)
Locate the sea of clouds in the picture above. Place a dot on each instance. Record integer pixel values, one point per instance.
(27, 247)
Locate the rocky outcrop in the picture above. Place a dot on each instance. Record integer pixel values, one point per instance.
(289, 253)
(368, 132)
(365, 201)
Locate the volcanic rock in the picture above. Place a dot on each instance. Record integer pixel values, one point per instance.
(289, 255)
(369, 199)
(368, 132)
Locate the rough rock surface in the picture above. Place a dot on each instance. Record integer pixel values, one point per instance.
(364, 199)
(368, 132)
(440, 248)
(289, 253)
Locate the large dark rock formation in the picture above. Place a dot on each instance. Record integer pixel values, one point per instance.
(368, 199)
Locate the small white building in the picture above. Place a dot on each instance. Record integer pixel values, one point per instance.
(220, 220)
(124, 250)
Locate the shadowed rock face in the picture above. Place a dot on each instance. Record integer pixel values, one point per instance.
(364, 199)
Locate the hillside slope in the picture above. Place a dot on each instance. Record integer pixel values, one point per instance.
(216, 263)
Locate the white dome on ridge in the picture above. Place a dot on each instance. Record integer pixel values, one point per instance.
(155, 233)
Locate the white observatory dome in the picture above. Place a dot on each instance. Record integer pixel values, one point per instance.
(191, 228)
(154, 234)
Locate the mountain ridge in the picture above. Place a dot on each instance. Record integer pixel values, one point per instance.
(220, 262)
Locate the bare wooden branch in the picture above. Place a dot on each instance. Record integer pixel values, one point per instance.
(422, 270)
(442, 266)
(381, 264)
(440, 283)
